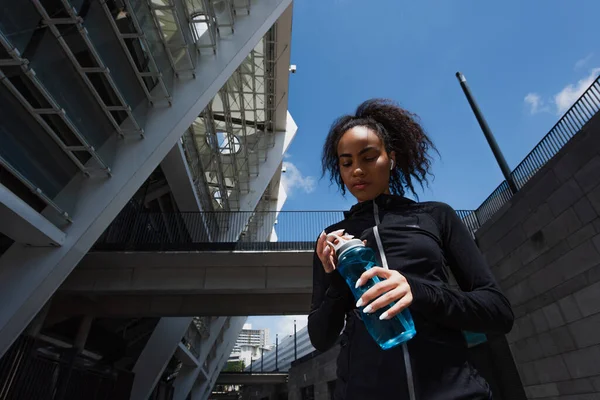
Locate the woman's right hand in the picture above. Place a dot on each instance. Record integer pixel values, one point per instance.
(325, 252)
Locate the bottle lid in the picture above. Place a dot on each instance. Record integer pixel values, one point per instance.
(344, 243)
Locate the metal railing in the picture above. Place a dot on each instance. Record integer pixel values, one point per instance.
(26, 373)
(220, 231)
(564, 130)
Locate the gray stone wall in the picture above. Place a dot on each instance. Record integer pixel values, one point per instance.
(316, 372)
(544, 249)
(264, 392)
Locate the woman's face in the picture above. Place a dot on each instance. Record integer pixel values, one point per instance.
(364, 163)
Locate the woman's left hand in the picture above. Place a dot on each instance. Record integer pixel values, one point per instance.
(393, 287)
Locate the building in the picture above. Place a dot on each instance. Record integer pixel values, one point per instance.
(250, 344)
(281, 357)
(127, 122)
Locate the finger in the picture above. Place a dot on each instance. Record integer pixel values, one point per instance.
(397, 308)
(377, 290)
(325, 256)
(385, 299)
(320, 242)
(370, 273)
(332, 262)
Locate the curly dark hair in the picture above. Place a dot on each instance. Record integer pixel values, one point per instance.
(399, 130)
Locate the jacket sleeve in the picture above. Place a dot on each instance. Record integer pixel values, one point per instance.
(480, 305)
(330, 299)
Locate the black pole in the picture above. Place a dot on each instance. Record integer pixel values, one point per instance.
(277, 352)
(262, 357)
(295, 343)
(250, 363)
(488, 134)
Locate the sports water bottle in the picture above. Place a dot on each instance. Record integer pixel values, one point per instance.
(354, 258)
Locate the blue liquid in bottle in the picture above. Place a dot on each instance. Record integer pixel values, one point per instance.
(354, 259)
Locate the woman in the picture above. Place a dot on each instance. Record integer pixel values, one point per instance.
(377, 154)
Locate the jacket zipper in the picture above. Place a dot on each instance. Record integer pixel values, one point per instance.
(407, 365)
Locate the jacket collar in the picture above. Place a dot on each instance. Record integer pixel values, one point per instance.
(383, 201)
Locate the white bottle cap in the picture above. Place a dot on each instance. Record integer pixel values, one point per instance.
(344, 243)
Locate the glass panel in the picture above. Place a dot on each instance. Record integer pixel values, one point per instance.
(224, 15)
(54, 70)
(113, 56)
(18, 23)
(29, 149)
(187, 35)
(157, 49)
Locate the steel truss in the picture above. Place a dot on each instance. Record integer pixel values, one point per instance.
(151, 70)
(172, 21)
(50, 107)
(99, 67)
(233, 135)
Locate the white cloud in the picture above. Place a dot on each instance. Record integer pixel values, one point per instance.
(285, 325)
(570, 93)
(293, 179)
(583, 62)
(535, 103)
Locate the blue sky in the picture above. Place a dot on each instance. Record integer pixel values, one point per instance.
(525, 61)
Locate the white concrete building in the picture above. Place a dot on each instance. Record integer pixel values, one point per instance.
(162, 119)
(250, 344)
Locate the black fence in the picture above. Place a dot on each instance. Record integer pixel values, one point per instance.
(564, 130)
(27, 373)
(224, 231)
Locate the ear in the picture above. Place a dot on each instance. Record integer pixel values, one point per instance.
(392, 157)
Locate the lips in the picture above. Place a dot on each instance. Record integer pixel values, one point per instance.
(360, 185)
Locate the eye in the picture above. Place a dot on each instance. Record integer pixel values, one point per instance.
(346, 164)
(370, 158)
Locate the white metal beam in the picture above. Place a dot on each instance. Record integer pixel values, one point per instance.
(191, 376)
(156, 355)
(179, 177)
(267, 170)
(230, 336)
(25, 225)
(28, 277)
(186, 357)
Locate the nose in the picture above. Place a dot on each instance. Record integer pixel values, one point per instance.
(357, 171)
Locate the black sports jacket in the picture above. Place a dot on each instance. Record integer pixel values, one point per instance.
(425, 242)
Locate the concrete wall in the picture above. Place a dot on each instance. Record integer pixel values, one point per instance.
(265, 392)
(544, 248)
(317, 372)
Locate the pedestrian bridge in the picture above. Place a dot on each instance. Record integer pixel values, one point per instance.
(252, 378)
(156, 265)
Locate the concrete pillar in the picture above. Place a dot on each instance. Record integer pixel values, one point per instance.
(29, 276)
(158, 351)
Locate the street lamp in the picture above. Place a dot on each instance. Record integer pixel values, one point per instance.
(487, 132)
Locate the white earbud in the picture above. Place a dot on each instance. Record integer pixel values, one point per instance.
(392, 165)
